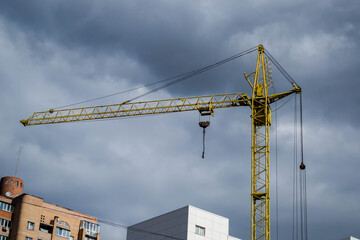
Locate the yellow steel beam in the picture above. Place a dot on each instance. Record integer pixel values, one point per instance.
(201, 103)
(204, 104)
(260, 148)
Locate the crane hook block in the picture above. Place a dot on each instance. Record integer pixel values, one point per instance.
(204, 124)
(302, 166)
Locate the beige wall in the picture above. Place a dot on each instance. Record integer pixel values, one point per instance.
(34, 209)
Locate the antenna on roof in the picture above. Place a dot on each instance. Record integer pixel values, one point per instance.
(17, 163)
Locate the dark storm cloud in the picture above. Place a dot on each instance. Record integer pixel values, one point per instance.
(169, 38)
(55, 52)
(190, 37)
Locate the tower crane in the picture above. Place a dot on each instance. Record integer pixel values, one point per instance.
(259, 103)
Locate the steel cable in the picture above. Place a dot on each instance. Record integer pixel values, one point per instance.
(280, 68)
(74, 213)
(196, 72)
(295, 203)
(178, 78)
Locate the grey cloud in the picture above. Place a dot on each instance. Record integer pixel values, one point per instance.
(55, 53)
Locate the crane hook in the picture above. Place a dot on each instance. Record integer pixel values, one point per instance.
(204, 125)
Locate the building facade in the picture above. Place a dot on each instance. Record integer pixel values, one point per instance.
(26, 217)
(187, 223)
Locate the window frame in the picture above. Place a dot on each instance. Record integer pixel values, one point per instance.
(30, 226)
(7, 207)
(91, 228)
(62, 232)
(5, 223)
(2, 237)
(200, 230)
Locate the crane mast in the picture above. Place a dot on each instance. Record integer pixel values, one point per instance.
(260, 151)
(259, 103)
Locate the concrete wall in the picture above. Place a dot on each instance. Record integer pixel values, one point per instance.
(182, 224)
(216, 227)
(171, 224)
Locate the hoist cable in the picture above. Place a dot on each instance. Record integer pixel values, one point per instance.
(117, 225)
(203, 153)
(203, 125)
(301, 207)
(305, 206)
(301, 132)
(125, 91)
(280, 68)
(194, 73)
(276, 176)
(295, 183)
(301, 181)
(137, 229)
(303, 197)
(178, 78)
(277, 108)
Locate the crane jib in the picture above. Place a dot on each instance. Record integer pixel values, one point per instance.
(127, 109)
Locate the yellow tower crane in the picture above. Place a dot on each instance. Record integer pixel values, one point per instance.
(259, 102)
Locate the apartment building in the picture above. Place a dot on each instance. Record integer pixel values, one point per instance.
(27, 217)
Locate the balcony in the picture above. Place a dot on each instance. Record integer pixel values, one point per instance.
(91, 229)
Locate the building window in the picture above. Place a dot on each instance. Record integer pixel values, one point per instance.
(89, 238)
(2, 237)
(30, 226)
(65, 224)
(92, 229)
(45, 228)
(71, 238)
(62, 232)
(6, 207)
(200, 230)
(5, 223)
(28, 238)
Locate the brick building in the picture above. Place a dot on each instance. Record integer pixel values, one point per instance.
(26, 217)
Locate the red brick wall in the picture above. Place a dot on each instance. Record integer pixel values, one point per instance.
(13, 185)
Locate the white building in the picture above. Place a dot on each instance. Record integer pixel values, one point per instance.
(187, 223)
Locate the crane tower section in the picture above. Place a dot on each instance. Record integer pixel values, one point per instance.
(260, 148)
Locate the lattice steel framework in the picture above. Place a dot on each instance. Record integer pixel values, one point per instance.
(261, 121)
(260, 149)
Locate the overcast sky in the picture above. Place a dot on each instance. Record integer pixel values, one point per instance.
(54, 53)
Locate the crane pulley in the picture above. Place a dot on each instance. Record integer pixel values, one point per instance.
(260, 81)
